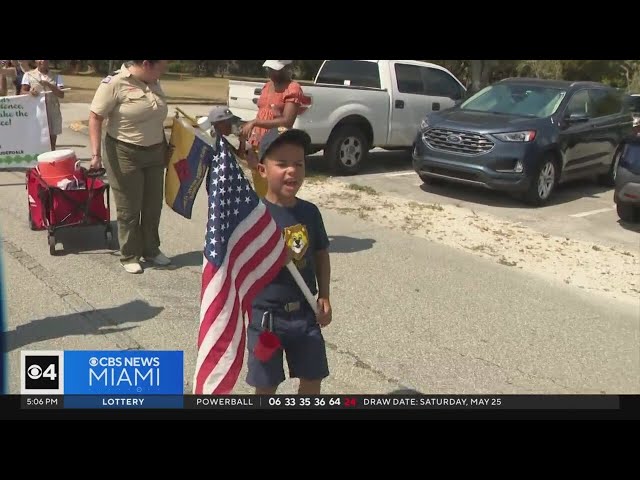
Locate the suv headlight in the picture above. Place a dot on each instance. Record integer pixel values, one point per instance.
(424, 124)
(525, 136)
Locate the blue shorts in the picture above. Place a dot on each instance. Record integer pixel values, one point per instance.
(301, 340)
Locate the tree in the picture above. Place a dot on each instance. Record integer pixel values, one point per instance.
(481, 73)
(552, 69)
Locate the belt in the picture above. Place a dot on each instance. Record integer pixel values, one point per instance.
(135, 146)
(287, 307)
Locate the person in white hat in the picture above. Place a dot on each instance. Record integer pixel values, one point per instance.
(278, 106)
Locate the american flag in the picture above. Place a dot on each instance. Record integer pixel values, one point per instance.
(244, 250)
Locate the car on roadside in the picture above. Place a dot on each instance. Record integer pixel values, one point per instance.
(525, 136)
(353, 106)
(627, 190)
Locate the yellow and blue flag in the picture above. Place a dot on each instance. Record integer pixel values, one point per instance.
(187, 167)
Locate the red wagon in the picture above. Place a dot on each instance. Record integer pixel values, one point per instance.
(52, 208)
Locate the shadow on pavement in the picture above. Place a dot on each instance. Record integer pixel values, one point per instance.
(93, 322)
(565, 193)
(77, 240)
(632, 227)
(342, 244)
(188, 259)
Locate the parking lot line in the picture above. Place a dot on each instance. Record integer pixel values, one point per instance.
(590, 212)
(400, 174)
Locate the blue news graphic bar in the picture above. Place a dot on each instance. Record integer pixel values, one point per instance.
(123, 401)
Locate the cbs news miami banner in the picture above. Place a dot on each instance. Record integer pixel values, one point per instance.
(84, 379)
(24, 130)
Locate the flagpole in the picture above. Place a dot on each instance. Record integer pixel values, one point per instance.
(303, 286)
(188, 117)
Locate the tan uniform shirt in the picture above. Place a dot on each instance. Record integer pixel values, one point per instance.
(135, 111)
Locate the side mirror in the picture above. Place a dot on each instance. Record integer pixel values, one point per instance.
(578, 118)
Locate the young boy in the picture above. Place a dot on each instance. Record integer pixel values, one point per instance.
(222, 120)
(281, 306)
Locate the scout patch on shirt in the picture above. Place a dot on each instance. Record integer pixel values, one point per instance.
(296, 238)
(107, 79)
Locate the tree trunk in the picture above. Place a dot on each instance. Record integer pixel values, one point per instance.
(476, 75)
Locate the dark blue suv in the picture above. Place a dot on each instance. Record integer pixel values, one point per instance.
(526, 136)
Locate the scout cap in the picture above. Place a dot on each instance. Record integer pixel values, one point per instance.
(279, 134)
(222, 113)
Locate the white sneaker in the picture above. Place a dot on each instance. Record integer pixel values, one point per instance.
(133, 267)
(161, 260)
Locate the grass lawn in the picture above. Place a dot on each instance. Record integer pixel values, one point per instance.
(179, 89)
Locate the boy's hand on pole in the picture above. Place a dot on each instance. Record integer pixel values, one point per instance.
(324, 312)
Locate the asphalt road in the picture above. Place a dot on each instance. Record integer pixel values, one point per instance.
(407, 312)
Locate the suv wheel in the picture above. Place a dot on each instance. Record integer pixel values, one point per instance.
(543, 182)
(609, 178)
(628, 213)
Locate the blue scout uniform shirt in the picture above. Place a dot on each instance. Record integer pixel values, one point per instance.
(304, 234)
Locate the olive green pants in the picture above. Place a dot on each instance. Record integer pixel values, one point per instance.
(136, 178)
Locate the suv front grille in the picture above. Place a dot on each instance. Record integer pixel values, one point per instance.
(453, 141)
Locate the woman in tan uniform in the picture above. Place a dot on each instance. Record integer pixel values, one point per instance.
(38, 81)
(136, 152)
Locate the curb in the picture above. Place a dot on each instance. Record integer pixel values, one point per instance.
(79, 127)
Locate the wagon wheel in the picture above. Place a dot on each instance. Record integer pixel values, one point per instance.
(52, 244)
(32, 224)
(108, 235)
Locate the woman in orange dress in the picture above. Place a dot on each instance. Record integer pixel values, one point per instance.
(278, 106)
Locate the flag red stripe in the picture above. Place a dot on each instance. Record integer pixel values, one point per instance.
(220, 347)
(214, 309)
(207, 275)
(265, 280)
(230, 379)
(255, 262)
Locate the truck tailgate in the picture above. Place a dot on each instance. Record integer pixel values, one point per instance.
(242, 98)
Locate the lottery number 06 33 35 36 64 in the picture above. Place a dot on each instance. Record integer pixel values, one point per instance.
(302, 401)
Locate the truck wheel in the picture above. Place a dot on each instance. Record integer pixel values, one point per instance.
(346, 150)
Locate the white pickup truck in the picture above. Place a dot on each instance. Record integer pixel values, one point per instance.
(356, 105)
